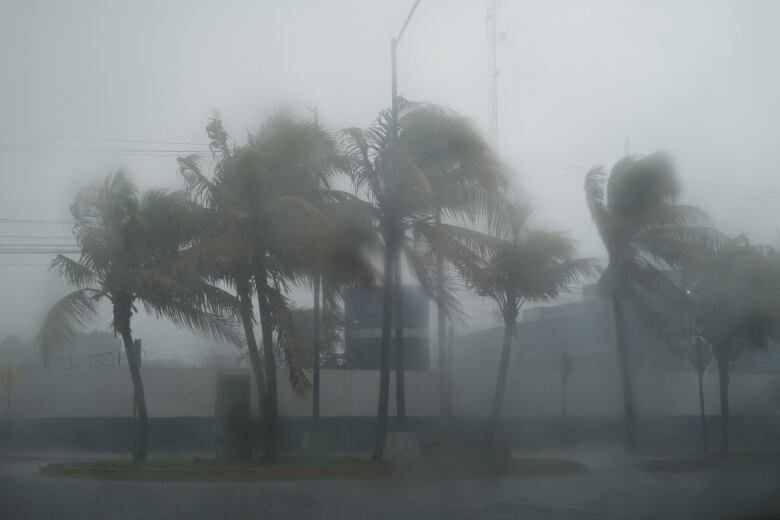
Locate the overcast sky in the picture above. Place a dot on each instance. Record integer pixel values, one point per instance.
(579, 83)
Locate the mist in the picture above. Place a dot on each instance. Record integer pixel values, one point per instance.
(687, 89)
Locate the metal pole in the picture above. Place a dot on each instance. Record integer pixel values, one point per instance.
(137, 349)
(702, 414)
(394, 86)
(492, 74)
(318, 298)
(399, 341)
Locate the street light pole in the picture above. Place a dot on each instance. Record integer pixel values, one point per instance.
(394, 64)
(316, 311)
(397, 287)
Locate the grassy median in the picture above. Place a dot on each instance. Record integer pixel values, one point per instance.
(291, 468)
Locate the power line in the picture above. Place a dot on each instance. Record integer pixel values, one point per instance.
(767, 195)
(41, 237)
(34, 244)
(34, 221)
(141, 151)
(105, 139)
(39, 252)
(24, 265)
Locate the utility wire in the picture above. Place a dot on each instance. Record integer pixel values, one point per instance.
(34, 221)
(39, 237)
(103, 139)
(25, 148)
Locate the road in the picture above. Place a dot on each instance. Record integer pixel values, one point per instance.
(610, 491)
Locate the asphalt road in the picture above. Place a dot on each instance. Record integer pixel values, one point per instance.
(609, 491)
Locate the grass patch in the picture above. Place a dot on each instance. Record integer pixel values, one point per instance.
(292, 468)
(754, 460)
(682, 465)
(198, 463)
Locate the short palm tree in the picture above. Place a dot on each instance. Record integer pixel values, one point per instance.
(522, 266)
(645, 232)
(736, 301)
(130, 244)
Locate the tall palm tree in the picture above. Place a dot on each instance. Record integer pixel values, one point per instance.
(467, 179)
(396, 191)
(401, 195)
(644, 231)
(130, 244)
(265, 196)
(522, 266)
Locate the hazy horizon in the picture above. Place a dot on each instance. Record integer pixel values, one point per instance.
(579, 85)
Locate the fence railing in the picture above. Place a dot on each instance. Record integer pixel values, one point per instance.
(100, 360)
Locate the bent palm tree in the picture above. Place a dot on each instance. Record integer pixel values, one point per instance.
(522, 266)
(129, 248)
(390, 174)
(467, 180)
(263, 199)
(644, 231)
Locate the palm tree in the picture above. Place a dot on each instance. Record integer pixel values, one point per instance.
(466, 180)
(737, 302)
(522, 266)
(389, 173)
(644, 231)
(265, 198)
(130, 245)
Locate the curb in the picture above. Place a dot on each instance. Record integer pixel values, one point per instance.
(229, 474)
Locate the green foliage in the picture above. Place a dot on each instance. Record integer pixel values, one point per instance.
(736, 294)
(440, 169)
(129, 245)
(526, 265)
(643, 229)
(271, 217)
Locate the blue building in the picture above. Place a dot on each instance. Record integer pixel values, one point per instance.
(363, 328)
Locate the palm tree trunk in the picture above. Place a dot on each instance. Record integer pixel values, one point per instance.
(503, 370)
(448, 383)
(270, 407)
(621, 348)
(141, 443)
(400, 364)
(384, 354)
(563, 398)
(702, 413)
(441, 332)
(723, 377)
(7, 425)
(315, 366)
(245, 301)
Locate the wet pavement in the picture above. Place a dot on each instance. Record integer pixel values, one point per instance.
(608, 491)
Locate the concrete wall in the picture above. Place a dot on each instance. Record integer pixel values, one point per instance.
(189, 392)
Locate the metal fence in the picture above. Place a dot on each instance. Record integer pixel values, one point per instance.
(100, 360)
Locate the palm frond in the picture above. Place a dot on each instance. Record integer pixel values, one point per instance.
(681, 246)
(290, 342)
(423, 266)
(65, 317)
(74, 273)
(594, 196)
(198, 306)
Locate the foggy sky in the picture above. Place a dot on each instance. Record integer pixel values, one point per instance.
(580, 83)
